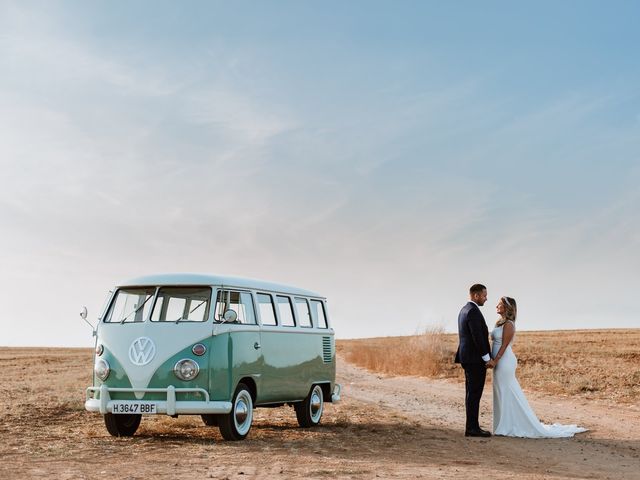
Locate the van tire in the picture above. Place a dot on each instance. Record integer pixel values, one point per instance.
(122, 425)
(210, 419)
(236, 424)
(309, 411)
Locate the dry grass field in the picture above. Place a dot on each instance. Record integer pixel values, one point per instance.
(592, 364)
(386, 426)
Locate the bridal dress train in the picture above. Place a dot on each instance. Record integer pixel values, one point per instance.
(512, 415)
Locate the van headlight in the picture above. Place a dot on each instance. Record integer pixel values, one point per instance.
(186, 369)
(102, 369)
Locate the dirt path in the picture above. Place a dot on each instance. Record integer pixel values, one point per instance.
(385, 427)
(611, 448)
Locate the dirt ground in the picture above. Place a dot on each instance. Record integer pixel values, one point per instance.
(385, 427)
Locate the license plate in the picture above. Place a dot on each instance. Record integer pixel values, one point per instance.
(129, 407)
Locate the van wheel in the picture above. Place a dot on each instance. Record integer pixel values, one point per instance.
(210, 419)
(236, 424)
(309, 411)
(122, 425)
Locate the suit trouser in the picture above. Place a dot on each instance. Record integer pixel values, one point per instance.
(474, 378)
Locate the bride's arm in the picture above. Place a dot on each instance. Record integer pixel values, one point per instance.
(507, 335)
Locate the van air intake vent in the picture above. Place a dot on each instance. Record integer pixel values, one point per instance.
(326, 350)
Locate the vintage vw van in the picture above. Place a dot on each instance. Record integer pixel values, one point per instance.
(215, 346)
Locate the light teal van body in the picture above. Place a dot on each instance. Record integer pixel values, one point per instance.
(279, 348)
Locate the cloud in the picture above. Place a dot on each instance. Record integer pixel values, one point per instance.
(236, 114)
(35, 47)
(389, 193)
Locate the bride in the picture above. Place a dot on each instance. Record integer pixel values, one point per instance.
(512, 415)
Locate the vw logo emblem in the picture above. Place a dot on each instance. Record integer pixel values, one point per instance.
(142, 351)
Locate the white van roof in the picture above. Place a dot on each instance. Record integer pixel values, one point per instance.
(217, 280)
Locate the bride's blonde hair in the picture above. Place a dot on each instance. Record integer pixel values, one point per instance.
(510, 311)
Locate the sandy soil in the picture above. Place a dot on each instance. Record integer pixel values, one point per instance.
(385, 427)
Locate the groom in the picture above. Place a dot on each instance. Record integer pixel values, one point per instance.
(473, 354)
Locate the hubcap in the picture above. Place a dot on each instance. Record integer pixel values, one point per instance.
(315, 404)
(243, 412)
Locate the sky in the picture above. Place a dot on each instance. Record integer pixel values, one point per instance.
(387, 154)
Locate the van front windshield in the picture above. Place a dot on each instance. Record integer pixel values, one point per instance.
(131, 305)
(182, 304)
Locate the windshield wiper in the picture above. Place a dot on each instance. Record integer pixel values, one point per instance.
(201, 303)
(136, 310)
(197, 307)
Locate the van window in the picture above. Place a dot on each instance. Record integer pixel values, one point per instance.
(239, 302)
(182, 304)
(304, 314)
(130, 305)
(318, 312)
(267, 312)
(285, 309)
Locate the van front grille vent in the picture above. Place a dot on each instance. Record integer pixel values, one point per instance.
(327, 354)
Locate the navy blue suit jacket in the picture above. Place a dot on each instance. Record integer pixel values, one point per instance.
(473, 334)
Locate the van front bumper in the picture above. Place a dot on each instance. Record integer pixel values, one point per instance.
(170, 406)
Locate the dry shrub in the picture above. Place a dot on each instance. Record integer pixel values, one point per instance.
(592, 364)
(425, 354)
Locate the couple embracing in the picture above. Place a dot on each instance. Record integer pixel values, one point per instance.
(512, 415)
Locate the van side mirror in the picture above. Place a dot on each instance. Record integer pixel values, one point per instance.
(83, 314)
(230, 316)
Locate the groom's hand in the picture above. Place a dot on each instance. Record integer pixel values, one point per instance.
(490, 364)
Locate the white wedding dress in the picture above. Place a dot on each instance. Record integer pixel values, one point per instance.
(512, 415)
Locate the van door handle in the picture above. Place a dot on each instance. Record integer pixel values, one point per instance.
(256, 345)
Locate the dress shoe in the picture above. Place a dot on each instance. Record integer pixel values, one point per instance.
(477, 433)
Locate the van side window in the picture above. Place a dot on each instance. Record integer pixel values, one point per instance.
(131, 305)
(318, 312)
(267, 312)
(285, 309)
(304, 314)
(182, 304)
(239, 302)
